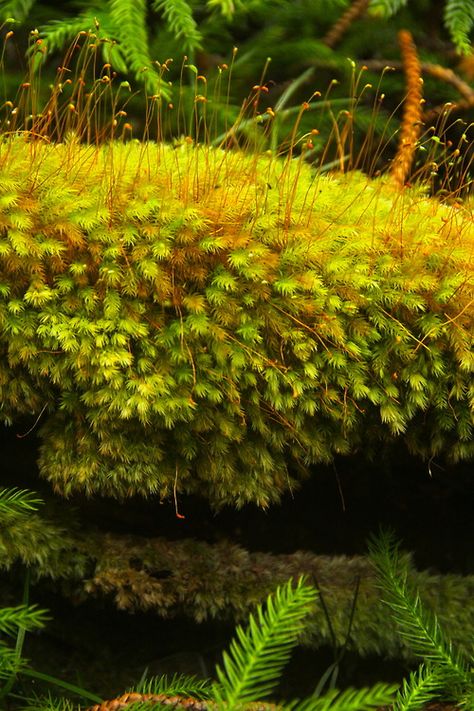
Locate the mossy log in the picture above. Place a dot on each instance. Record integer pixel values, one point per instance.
(224, 581)
(194, 320)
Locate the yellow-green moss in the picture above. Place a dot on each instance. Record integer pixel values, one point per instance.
(191, 319)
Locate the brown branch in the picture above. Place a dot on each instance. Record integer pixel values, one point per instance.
(412, 109)
(439, 72)
(434, 70)
(340, 27)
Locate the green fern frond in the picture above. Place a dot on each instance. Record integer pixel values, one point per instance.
(10, 662)
(18, 501)
(176, 685)
(386, 8)
(129, 18)
(58, 33)
(48, 703)
(418, 689)
(459, 20)
(28, 617)
(15, 9)
(257, 654)
(350, 700)
(180, 21)
(417, 625)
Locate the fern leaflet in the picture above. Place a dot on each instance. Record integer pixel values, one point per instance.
(418, 626)
(257, 655)
(459, 20)
(180, 21)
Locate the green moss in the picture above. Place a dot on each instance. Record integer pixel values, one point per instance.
(193, 320)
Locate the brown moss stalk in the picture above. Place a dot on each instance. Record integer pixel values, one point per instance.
(339, 29)
(412, 112)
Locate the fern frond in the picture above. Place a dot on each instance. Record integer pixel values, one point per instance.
(10, 662)
(58, 33)
(386, 8)
(257, 654)
(48, 703)
(17, 501)
(351, 699)
(16, 9)
(418, 689)
(419, 627)
(129, 18)
(176, 685)
(179, 18)
(459, 20)
(28, 617)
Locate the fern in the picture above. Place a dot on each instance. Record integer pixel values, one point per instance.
(459, 20)
(58, 33)
(349, 700)
(257, 655)
(129, 19)
(49, 703)
(418, 689)
(177, 684)
(27, 617)
(10, 663)
(17, 501)
(418, 626)
(180, 21)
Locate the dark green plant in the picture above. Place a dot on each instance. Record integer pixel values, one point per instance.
(443, 670)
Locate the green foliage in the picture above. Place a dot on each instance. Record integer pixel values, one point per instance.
(257, 655)
(16, 621)
(386, 8)
(16, 9)
(179, 18)
(17, 501)
(459, 19)
(443, 667)
(418, 689)
(202, 323)
(176, 685)
(253, 665)
(31, 539)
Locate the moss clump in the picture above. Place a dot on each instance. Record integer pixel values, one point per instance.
(194, 320)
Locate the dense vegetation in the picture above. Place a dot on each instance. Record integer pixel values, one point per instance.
(219, 276)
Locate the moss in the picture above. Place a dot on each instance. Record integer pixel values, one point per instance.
(191, 319)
